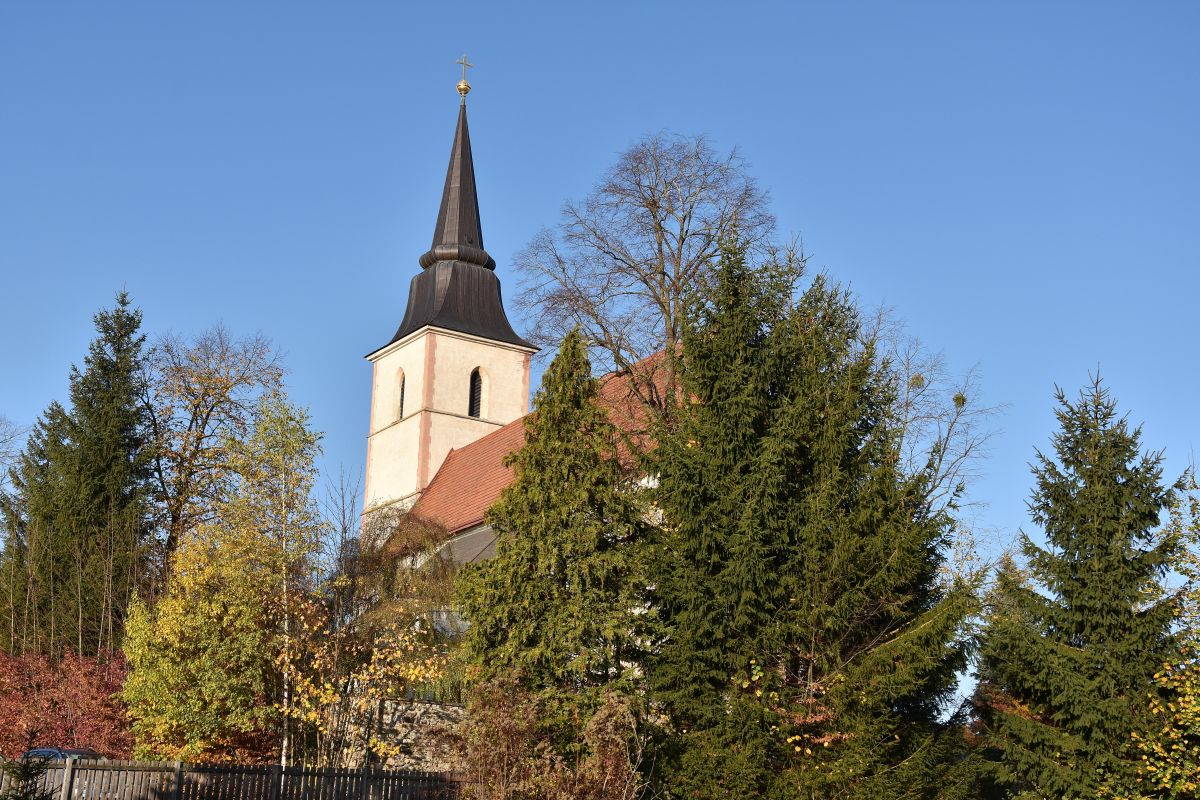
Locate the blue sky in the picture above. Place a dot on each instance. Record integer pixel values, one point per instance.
(1019, 181)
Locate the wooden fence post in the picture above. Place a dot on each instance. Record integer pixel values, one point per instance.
(276, 782)
(178, 788)
(364, 787)
(68, 779)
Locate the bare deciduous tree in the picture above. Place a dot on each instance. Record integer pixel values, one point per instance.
(942, 419)
(623, 262)
(202, 393)
(11, 437)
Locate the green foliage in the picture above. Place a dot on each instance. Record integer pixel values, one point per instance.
(1069, 656)
(808, 647)
(1169, 747)
(26, 779)
(557, 615)
(77, 535)
(209, 663)
(201, 685)
(559, 602)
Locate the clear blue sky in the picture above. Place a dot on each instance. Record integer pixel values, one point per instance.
(1020, 181)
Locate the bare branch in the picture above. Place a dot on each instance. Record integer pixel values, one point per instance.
(623, 261)
(942, 420)
(11, 438)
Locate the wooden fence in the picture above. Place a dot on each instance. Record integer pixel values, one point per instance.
(165, 780)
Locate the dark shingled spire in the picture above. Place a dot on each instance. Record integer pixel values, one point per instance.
(458, 235)
(457, 288)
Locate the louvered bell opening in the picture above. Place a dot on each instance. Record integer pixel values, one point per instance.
(476, 394)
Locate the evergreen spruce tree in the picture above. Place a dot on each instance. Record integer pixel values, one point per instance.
(25, 779)
(808, 647)
(32, 562)
(1068, 657)
(77, 520)
(105, 510)
(560, 604)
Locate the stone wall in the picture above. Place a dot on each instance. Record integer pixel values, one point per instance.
(419, 729)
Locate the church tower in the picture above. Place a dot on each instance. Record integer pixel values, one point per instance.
(455, 370)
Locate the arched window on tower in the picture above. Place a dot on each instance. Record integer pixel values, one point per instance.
(400, 396)
(475, 403)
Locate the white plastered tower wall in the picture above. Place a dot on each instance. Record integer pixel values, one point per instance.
(405, 450)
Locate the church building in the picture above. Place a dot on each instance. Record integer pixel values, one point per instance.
(450, 389)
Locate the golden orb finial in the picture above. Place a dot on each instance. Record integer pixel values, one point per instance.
(463, 86)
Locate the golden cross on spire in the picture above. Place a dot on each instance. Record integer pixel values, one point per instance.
(465, 64)
(463, 86)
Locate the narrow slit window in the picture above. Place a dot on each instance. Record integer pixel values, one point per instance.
(400, 402)
(473, 404)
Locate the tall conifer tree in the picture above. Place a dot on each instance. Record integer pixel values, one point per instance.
(1068, 658)
(32, 571)
(808, 645)
(77, 523)
(559, 604)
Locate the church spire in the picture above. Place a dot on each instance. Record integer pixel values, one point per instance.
(457, 288)
(458, 235)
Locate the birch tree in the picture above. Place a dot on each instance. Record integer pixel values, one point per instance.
(210, 664)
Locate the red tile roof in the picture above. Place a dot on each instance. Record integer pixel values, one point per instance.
(619, 393)
(471, 478)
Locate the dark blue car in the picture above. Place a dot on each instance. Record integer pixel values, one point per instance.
(62, 753)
